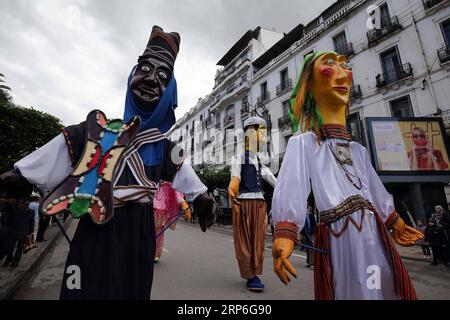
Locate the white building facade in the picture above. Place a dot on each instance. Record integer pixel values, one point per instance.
(401, 69)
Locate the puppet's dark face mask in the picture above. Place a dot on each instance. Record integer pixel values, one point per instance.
(149, 82)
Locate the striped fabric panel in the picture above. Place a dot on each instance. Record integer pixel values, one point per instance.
(403, 284)
(391, 220)
(323, 271)
(144, 137)
(132, 159)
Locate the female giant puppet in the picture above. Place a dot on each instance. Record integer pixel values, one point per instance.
(355, 210)
(106, 172)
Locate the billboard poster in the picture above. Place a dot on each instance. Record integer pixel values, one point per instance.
(409, 145)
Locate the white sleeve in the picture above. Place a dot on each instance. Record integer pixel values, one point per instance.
(291, 192)
(381, 199)
(236, 167)
(47, 166)
(268, 176)
(187, 182)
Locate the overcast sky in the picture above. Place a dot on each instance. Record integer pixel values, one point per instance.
(67, 57)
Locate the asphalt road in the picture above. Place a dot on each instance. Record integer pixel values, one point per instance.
(197, 265)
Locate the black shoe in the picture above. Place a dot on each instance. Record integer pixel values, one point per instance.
(15, 264)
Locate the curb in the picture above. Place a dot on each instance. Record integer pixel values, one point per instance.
(26, 276)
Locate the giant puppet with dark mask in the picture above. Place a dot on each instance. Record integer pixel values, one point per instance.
(106, 172)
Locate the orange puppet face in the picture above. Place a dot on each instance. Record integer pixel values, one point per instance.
(331, 79)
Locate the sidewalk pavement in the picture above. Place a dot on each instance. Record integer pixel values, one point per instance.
(12, 279)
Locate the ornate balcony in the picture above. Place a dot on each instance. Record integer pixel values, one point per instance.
(346, 50)
(428, 4)
(229, 119)
(444, 54)
(284, 87)
(284, 120)
(376, 35)
(355, 92)
(208, 121)
(385, 79)
(245, 111)
(264, 97)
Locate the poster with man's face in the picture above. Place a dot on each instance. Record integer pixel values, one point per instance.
(409, 145)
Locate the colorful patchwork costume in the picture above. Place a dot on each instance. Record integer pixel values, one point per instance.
(106, 172)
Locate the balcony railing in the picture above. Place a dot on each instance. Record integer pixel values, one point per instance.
(391, 77)
(283, 121)
(428, 4)
(284, 86)
(355, 92)
(230, 88)
(245, 110)
(264, 97)
(208, 121)
(346, 50)
(445, 115)
(444, 54)
(375, 35)
(229, 119)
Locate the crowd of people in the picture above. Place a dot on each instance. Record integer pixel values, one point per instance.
(17, 223)
(22, 225)
(436, 244)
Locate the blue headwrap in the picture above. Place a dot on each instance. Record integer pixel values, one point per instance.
(163, 118)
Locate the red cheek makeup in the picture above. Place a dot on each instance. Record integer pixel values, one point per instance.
(326, 71)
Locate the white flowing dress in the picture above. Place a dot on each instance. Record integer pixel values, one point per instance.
(356, 256)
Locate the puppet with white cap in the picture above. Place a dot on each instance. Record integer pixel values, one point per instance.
(249, 207)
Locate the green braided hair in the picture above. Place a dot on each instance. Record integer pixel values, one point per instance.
(303, 111)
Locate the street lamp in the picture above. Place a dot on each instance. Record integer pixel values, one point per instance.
(261, 111)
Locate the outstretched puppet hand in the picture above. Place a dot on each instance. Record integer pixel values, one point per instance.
(186, 211)
(233, 190)
(205, 208)
(281, 251)
(405, 235)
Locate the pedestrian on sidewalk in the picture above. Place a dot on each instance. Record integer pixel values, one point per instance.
(307, 237)
(248, 204)
(43, 225)
(422, 243)
(442, 219)
(20, 224)
(437, 239)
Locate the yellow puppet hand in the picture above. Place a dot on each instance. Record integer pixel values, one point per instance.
(281, 250)
(405, 235)
(186, 211)
(233, 190)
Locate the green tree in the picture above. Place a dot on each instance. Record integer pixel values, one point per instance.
(23, 130)
(215, 178)
(5, 97)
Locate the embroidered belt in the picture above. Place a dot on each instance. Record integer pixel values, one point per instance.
(345, 208)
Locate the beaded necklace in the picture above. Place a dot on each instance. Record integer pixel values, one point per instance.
(337, 131)
(348, 174)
